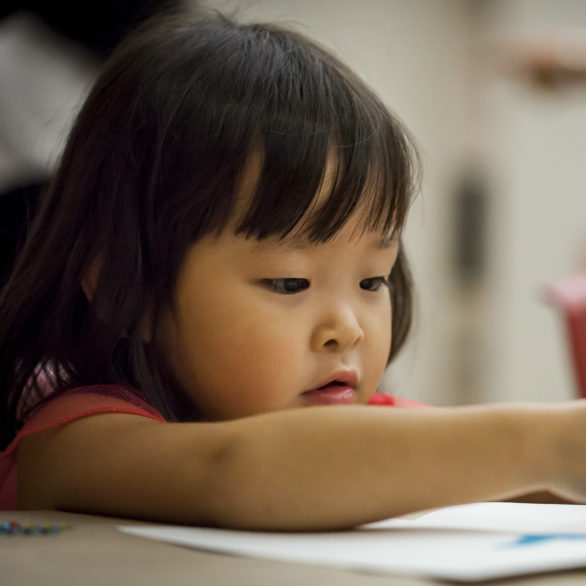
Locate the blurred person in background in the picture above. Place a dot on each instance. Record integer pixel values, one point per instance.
(50, 53)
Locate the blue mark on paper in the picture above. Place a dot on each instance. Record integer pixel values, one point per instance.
(537, 538)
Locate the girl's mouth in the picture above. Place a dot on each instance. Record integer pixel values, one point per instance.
(335, 392)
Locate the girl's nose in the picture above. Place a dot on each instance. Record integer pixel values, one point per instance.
(338, 329)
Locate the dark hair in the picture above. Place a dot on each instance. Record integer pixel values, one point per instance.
(151, 165)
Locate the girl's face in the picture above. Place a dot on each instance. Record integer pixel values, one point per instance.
(267, 325)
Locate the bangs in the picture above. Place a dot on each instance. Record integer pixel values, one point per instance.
(312, 185)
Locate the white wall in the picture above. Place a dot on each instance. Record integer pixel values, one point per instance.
(537, 152)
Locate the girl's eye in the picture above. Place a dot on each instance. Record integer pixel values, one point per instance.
(287, 286)
(374, 283)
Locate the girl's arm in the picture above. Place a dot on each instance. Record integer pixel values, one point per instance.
(317, 468)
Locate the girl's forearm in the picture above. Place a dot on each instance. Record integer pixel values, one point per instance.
(336, 467)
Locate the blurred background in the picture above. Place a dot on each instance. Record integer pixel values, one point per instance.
(494, 92)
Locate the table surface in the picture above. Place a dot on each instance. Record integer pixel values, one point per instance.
(91, 551)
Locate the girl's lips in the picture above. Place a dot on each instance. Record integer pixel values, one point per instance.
(331, 395)
(338, 389)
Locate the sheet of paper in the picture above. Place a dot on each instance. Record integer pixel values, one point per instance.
(464, 543)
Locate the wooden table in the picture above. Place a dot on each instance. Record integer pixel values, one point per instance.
(91, 551)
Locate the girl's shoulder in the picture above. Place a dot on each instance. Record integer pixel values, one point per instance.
(80, 402)
(63, 408)
(89, 400)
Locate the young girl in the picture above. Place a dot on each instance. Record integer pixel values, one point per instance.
(202, 310)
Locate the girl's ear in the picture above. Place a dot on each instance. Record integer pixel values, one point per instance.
(90, 276)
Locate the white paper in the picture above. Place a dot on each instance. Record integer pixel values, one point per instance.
(464, 543)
